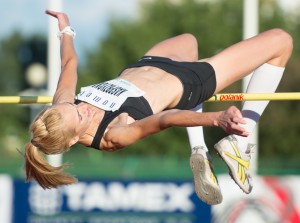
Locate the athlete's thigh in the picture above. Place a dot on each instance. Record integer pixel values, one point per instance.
(181, 48)
(239, 60)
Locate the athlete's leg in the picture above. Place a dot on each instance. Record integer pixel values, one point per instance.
(196, 136)
(205, 181)
(266, 54)
(185, 48)
(237, 61)
(252, 110)
(181, 48)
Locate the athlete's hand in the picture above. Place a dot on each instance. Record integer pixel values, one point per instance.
(229, 121)
(62, 18)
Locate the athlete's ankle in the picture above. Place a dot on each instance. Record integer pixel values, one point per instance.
(200, 150)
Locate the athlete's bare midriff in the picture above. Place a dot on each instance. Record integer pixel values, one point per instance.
(162, 90)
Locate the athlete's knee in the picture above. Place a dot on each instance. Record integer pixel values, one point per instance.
(192, 42)
(284, 40)
(190, 37)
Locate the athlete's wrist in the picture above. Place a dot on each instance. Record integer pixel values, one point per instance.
(67, 30)
(217, 118)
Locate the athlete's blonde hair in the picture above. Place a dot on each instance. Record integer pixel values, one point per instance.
(48, 137)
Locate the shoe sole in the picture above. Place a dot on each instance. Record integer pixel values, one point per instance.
(232, 172)
(207, 192)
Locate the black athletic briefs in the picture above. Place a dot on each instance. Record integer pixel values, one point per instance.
(198, 78)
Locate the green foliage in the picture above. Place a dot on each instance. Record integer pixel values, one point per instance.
(10, 66)
(16, 53)
(216, 24)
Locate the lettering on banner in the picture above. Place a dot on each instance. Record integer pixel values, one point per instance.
(157, 197)
(232, 97)
(114, 196)
(44, 202)
(6, 198)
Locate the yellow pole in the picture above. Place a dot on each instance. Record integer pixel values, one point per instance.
(25, 99)
(285, 96)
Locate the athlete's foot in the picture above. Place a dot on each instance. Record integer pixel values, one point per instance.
(205, 181)
(238, 162)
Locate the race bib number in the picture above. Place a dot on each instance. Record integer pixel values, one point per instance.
(109, 95)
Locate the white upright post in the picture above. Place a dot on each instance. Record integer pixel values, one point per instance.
(250, 29)
(53, 63)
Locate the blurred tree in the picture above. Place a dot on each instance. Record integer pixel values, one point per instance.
(10, 65)
(216, 24)
(16, 55)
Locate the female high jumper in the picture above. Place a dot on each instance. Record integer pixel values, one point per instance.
(163, 89)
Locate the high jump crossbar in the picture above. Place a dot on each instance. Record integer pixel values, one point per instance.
(284, 96)
(226, 97)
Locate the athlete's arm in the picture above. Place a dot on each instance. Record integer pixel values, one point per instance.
(66, 86)
(228, 120)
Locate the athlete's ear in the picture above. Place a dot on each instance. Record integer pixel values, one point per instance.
(73, 141)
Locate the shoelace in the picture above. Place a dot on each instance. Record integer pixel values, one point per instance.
(250, 147)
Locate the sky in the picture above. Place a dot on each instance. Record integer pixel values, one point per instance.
(90, 18)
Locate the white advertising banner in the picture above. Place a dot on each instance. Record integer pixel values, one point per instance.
(273, 199)
(6, 197)
(111, 202)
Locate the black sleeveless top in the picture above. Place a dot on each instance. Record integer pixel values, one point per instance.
(136, 107)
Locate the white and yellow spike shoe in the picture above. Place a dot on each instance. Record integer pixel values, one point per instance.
(205, 181)
(238, 162)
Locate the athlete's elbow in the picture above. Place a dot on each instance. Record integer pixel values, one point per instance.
(168, 119)
(71, 60)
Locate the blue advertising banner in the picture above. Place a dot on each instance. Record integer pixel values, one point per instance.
(110, 202)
